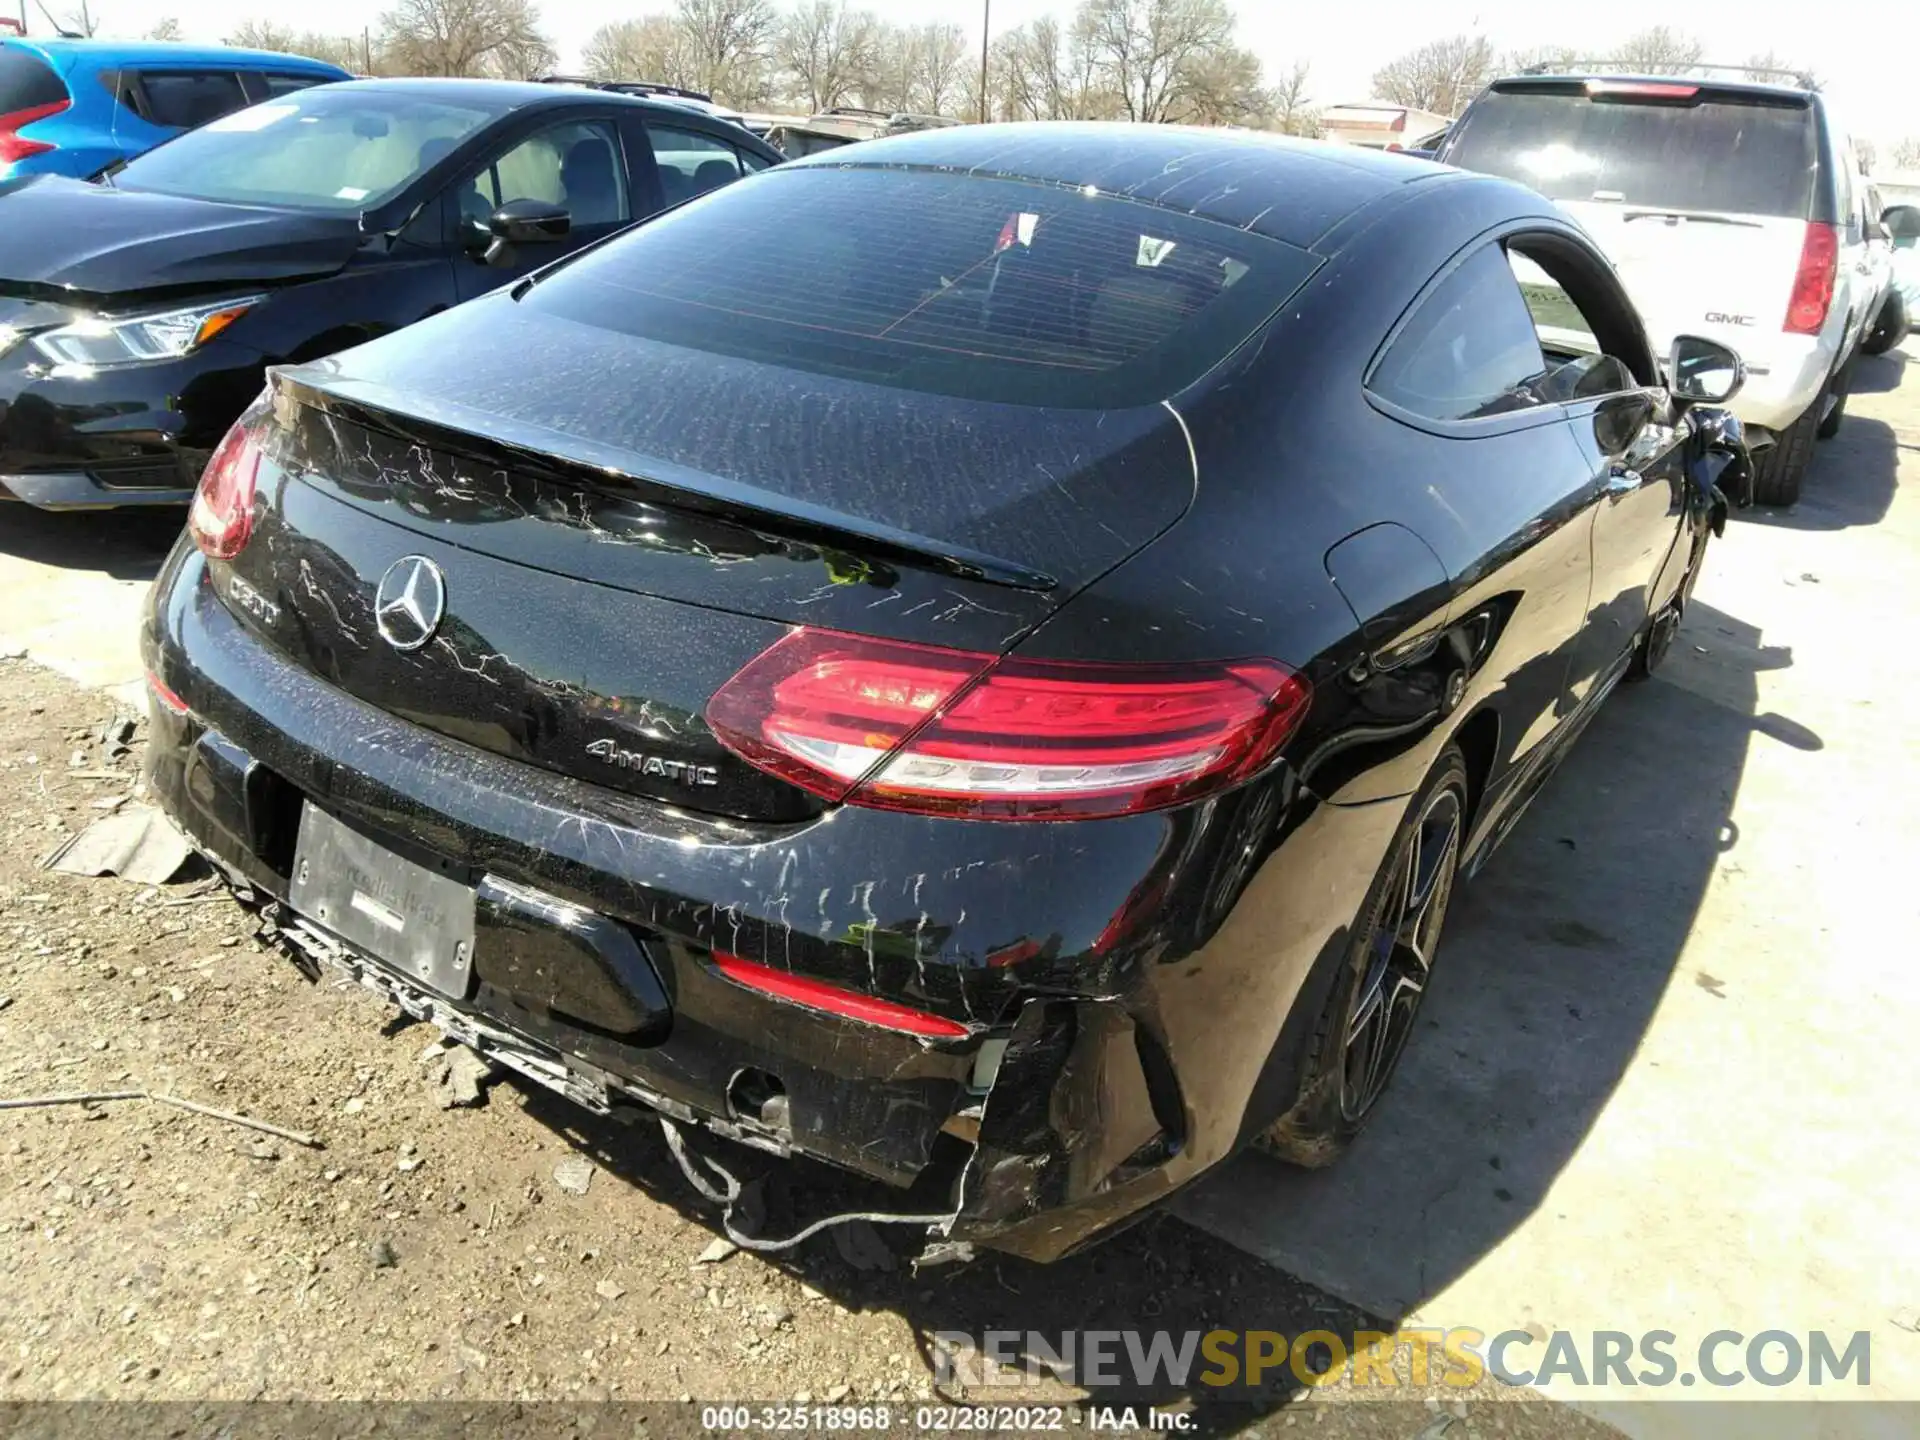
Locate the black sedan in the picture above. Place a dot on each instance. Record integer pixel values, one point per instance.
(138, 315)
(1005, 715)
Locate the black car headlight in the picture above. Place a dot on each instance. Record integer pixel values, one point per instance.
(107, 342)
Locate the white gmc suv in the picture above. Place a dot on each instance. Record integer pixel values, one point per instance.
(1733, 210)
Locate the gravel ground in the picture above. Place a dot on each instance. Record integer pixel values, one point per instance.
(512, 1251)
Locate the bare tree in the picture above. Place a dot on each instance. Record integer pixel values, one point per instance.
(940, 56)
(1441, 76)
(341, 50)
(168, 29)
(1906, 153)
(1151, 51)
(262, 35)
(1774, 68)
(826, 51)
(1290, 104)
(1222, 87)
(1048, 73)
(888, 82)
(731, 43)
(500, 38)
(1658, 51)
(1540, 57)
(82, 21)
(653, 48)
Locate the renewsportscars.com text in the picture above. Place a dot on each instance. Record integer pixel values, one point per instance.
(1461, 1358)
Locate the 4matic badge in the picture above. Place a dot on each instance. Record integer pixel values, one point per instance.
(654, 765)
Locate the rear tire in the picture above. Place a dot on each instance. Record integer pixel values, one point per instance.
(1889, 327)
(1373, 1004)
(1838, 389)
(1779, 469)
(1651, 646)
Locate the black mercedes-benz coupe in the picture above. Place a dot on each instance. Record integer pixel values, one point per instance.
(977, 659)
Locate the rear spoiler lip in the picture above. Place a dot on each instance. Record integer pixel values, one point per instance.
(456, 427)
(1719, 92)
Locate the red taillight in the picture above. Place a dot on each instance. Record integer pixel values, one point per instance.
(221, 521)
(13, 145)
(895, 726)
(166, 696)
(1813, 282)
(849, 1004)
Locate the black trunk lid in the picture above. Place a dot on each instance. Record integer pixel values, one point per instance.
(621, 527)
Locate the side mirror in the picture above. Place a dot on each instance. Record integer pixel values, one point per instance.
(525, 222)
(1704, 371)
(1903, 223)
(1619, 420)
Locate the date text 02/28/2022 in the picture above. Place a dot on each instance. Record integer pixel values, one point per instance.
(938, 1419)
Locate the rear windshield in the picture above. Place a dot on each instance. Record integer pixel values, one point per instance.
(26, 81)
(1714, 155)
(994, 290)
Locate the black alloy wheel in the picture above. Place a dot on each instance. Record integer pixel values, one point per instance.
(1382, 1005)
(1374, 1002)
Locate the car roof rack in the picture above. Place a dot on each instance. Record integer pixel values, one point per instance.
(857, 110)
(630, 87)
(1801, 79)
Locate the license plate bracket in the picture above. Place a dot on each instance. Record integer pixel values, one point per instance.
(401, 913)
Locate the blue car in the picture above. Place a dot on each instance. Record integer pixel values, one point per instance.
(74, 107)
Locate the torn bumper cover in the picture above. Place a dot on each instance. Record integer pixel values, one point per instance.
(1027, 1186)
(1050, 1112)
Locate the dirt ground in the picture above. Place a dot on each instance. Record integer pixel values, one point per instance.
(430, 1253)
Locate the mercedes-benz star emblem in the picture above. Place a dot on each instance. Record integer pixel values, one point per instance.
(410, 602)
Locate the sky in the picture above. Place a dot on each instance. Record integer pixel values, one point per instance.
(1867, 60)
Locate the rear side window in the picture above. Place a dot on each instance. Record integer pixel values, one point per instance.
(985, 289)
(692, 163)
(184, 100)
(27, 82)
(1713, 155)
(577, 165)
(1469, 350)
(278, 85)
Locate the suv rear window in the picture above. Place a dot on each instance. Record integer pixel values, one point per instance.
(986, 289)
(1716, 153)
(26, 81)
(191, 98)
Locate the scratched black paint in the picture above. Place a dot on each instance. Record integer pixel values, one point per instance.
(1156, 974)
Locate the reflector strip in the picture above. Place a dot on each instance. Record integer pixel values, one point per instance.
(848, 1004)
(165, 696)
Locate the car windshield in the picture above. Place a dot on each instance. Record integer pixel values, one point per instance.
(985, 289)
(1747, 156)
(344, 149)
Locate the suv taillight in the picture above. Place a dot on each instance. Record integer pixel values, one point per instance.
(13, 146)
(895, 726)
(1813, 282)
(221, 521)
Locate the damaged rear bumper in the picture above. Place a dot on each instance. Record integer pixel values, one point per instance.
(1070, 954)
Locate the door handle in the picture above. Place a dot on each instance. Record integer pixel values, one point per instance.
(1621, 482)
